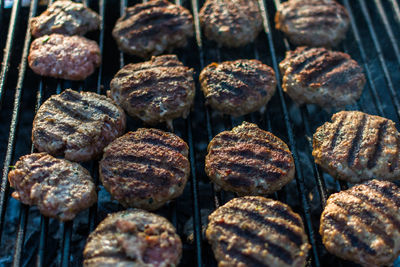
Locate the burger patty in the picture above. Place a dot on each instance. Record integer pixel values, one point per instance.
(77, 125)
(238, 87)
(155, 91)
(65, 57)
(146, 168)
(60, 188)
(231, 23)
(356, 147)
(150, 28)
(249, 161)
(313, 22)
(133, 238)
(65, 17)
(257, 231)
(323, 77)
(362, 224)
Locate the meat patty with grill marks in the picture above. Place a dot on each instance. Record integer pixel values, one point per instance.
(362, 224)
(313, 22)
(257, 231)
(231, 23)
(238, 87)
(155, 91)
(60, 188)
(149, 29)
(249, 161)
(356, 147)
(65, 17)
(64, 57)
(77, 125)
(133, 238)
(323, 77)
(146, 168)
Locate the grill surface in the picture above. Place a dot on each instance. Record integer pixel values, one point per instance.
(30, 239)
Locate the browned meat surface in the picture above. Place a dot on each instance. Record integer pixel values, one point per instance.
(249, 161)
(356, 147)
(65, 17)
(231, 23)
(76, 125)
(256, 232)
(65, 57)
(238, 87)
(313, 22)
(146, 168)
(323, 77)
(60, 188)
(362, 224)
(150, 28)
(133, 238)
(155, 91)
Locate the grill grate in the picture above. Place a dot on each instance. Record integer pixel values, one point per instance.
(30, 239)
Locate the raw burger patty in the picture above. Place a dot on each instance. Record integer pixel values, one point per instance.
(59, 188)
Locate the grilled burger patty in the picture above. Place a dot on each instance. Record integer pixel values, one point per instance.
(323, 77)
(313, 22)
(356, 147)
(133, 238)
(362, 224)
(65, 17)
(257, 231)
(65, 57)
(60, 188)
(77, 125)
(249, 161)
(238, 87)
(231, 23)
(158, 90)
(150, 28)
(146, 168)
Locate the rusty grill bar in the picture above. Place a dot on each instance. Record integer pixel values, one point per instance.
(371, 40)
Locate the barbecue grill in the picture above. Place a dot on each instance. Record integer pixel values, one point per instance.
(29, 239)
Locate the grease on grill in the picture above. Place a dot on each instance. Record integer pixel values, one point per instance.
(249, 161)
(362, 224)
(357, 146)
(133, 238)
(155, 91)
(153, 27)
(65, 17)
(256, 231)
(231, 23)
(146, 168)
(313, 22)
(77, 125)
(323, 77)
(238, 87)
(60, 188)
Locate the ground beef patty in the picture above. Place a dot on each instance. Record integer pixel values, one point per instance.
(238, 87)
(133, 238)
(362, 224)
(231, 23)
(65, 17)
(155, 91)
(59, 188)
(65, 57)
(356, 147)
(150, 28)
(323, 77)
(257, 231)
(146, 168)
(313, 22)
(249, 161)
(76, 125)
